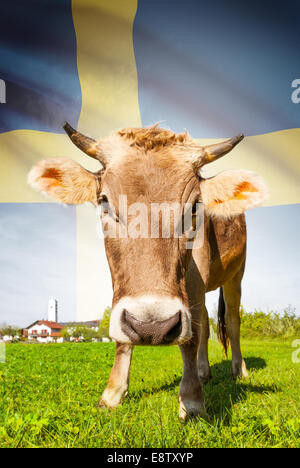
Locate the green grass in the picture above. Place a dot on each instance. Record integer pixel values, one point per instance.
(49, 394)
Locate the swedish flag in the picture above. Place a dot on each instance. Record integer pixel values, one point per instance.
(216, 68)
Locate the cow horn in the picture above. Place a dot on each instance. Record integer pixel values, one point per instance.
(211, 153)
(88, 145)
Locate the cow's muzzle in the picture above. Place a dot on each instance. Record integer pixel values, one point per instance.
(150, 320)
(152, 332)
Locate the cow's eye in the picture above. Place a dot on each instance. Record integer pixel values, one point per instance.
(103, 200)
(106, 208)
(194, 208)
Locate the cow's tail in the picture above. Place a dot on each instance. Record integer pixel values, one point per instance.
(222, 334)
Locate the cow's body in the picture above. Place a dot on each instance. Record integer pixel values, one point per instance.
(159, 283)
(224, 251)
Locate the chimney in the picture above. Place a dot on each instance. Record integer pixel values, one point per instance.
(52, 310)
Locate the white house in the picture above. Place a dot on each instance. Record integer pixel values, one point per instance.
(44, 331)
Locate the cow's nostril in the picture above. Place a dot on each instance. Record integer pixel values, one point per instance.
(127, 326)
(174, 332)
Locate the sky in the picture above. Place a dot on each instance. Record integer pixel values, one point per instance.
(170, 67)
(38, 261)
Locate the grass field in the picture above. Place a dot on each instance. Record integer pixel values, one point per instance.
(49, 395)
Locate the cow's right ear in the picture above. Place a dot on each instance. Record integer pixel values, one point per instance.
(65, 181)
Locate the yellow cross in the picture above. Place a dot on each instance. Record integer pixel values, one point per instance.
(109, 86)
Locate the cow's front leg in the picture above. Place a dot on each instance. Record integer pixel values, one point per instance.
(191, 398)
(118, 381)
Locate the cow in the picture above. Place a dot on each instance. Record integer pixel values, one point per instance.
(159, 282)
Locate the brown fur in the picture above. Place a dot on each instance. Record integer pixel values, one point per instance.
(154, 138)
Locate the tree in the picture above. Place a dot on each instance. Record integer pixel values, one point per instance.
(103, 330)
(65, 334)
(10, 331)
(88, 334)
(77, 333)
(84, 333)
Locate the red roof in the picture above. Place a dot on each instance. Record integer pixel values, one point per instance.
(51, 325)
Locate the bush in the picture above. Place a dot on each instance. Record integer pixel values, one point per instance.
(266, 324)
(270, 324)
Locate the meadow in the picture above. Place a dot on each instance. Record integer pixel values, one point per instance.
(48, 397)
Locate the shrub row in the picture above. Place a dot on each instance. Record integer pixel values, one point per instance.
(267, 324)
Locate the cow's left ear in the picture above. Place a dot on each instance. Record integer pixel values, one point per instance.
(230, 193)
(65, 181)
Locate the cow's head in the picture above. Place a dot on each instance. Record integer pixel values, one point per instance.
(149, 166)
